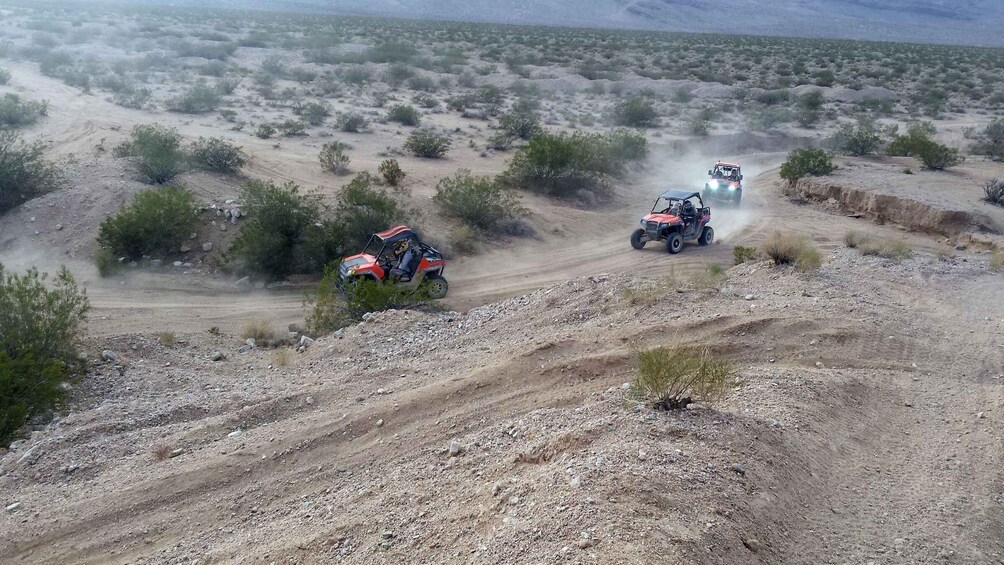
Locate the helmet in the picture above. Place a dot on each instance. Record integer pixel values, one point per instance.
(401, 246)
(688, 207)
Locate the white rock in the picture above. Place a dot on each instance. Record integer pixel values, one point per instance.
(454, 448)
(207, 246)
(109, 355)
(13, 507)
(749, 297)
(234, 433)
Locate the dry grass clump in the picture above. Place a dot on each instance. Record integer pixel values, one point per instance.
(877, 247)
(161, 452)
(997, 259)
(258, 330)
(671, 377)
(741, 254)
(167, 339)
(282, 357)
(792, 249)
(641, 296)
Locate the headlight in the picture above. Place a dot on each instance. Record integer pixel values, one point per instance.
(731, 187)
(643, 221)
(352, 271)
(712, 185)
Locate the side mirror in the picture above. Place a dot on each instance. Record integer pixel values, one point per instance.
(740, 177)
(709, 173)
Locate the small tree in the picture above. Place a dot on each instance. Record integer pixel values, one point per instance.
(404, 114)
(273, 237)
(918, 135)
(217, 155)
(157, 152)
(670, 378)
(391, 171)
(24, 172)
(806, 162)
(479, 202)
(636, 111)
(331, 308)
(157, 221)
(333, 157)
(427, 144)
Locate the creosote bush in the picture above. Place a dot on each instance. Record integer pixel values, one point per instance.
(391, 171)
(199, 98)
(673, 377)
(636, 112)
(404, 114)
(16, 112)
(351, 122)
(857, 141)
(331, 308)
(217, 155)
(158, 220)
(265, 131)
(918, 142)
(990, 141)
(40, 324)
(806, 162)
(24, 172)
(480, 202)
(157, 152)
(333, 157)
(427, 144)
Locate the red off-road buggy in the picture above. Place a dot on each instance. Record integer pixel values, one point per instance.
(725, 182)
(399, 256)
(677, 215)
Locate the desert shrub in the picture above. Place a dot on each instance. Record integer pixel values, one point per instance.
(990, 141)
(622, 145)
(857, 141)
(521, 121)
(273, 237)
(404, 114)
(422, 83)
(884, 248)
(158, 220)
(199, 98)
(671, 378)
(938, 157)
(994, 190)
(264, 131)
(853, 239)
(40, 323)
(997, 259)
(217, 155)
(791, 249)
(773, 97)
(480, 202)
(427, 144)
(292, 128)
(918, 135)
(314, 113)
(391, 172)
(741, 254)
(333, 157)
(157, 152)
(806, 162)
(258, 330)
(331, 308)
(636, 111)
(364, 207)
(351, 122)
(227, 85)
(16, 112)
(4, 76)
(699, 125)
(426, 100)
(24, 172)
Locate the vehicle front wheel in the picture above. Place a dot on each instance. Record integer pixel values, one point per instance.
(738, 198)
(707, 236)
(674, 243)
(638, 239)
(436, 286)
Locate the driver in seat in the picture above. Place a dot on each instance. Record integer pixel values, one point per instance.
(407, 261)
(689, 214)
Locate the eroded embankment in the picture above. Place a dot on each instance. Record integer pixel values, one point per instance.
(886, 208)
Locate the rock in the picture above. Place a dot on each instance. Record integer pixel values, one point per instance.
(337, 334)
(309, 400)
(306, 341)
(454, 448)
(216, 356)
(59, 227)
(979, 415)
(739, 469)
(243, 284)
(908, 404)
(387, 535)
(379, 423)
(575, 483)
(176, 453)
(234, 433)
(585, 543)
(156, 263)
(177, 263)
(244, 348)
(13, 507)
(109, 355)
(749, 297)
(626, 386)
(207, 246)
(185, 248)
(381, 391)
(223, 227)
(250, 341)
(753, 545)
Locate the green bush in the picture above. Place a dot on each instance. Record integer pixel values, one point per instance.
(391, 171)
(274, 237)
(805, 162)
(479, 202)
(938, 157)
(16, 112)
(158, 220)
(332, 308)
(994, 190)
(40, 324)
(265, 131)
(404, 114)
(157, 152)
(198, 99)
(217, 155)
(918, 135)
(365, 208)
(637, 111)
(741, 254)
(314, 113)
(671, 378)
(333, 157)
(521, 121)
(427, 144)
(292, 128)
(351, 122)
(24, 172)
(860, 141)
(990, 141)
(623, 145)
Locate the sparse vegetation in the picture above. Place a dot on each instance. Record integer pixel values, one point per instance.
(404, 114)
(637, 112)
(198, 99)
(4, 76)
(265, 131)
(994, 191)
(391, 172)
(314, 113)
(158, 220)
(918, 142)
(741, 254)
(791, 249)
(806, 162)
(258, 330)
(351, 122)
(40, 324)
(24, 171)
(480, 202)
(990, 141)
(330, 309)
(217, 155)
(17, 112)
(670, 378)
(333, 157)
(857, 141)
(157, 152)
(997, 259)
(427, 144)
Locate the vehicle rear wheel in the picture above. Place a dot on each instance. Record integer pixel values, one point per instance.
(674, 243)
(638, 240)
(436, 286)
(707, 236)
(739, 198)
